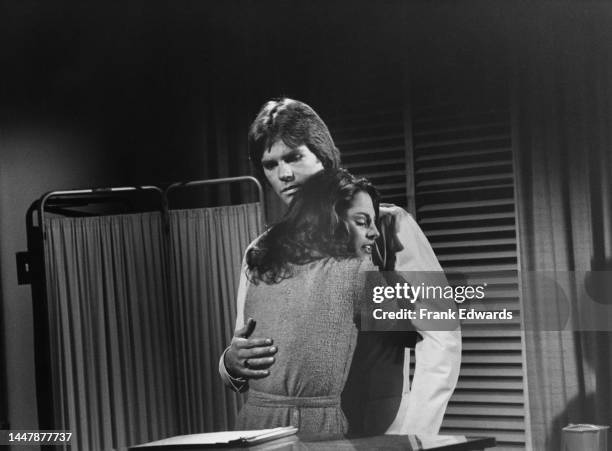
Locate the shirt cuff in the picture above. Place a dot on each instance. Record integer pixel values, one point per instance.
(238, 384)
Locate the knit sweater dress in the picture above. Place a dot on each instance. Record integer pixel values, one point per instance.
(312, 318)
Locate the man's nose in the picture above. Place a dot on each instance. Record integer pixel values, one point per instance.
(285, 173)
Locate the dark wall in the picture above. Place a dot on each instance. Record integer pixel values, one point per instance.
(148, 83)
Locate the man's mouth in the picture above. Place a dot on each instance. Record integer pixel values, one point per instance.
(367, 248)
(290, 190)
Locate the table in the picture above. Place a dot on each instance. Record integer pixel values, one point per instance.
(380, 442)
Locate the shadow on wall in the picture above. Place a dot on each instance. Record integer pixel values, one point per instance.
(588, 407)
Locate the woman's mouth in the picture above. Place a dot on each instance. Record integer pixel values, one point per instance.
(367, 248)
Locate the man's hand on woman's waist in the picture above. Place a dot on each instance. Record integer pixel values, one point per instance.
(249, 358)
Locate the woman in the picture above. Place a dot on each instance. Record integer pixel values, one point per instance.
(307, 280)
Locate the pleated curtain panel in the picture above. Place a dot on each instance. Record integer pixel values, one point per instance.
(206, 252)
(138, 317)
(565, 226)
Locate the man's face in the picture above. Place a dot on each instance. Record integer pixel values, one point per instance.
(287, 168)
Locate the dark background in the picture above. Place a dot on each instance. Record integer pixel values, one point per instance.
(150, 92)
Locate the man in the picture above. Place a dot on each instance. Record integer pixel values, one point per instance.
(288, 142)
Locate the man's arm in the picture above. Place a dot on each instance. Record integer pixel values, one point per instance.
(236, 384)
(247, 358)
(438, 354)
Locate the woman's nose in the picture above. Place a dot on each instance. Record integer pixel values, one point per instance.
(373, 232)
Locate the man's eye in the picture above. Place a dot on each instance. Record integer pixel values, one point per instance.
(294, 157)
(269, 165)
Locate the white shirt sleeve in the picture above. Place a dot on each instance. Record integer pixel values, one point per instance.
(438, 354)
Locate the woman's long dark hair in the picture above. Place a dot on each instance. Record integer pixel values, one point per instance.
(312, 228)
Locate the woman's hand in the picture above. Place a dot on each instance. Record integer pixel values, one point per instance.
(249, 358)
(391, 220)
(392, 211)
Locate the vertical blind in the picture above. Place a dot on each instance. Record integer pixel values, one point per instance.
(372, 145)
(464, 188)
(457, 163)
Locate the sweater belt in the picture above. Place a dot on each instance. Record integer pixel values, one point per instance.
(261, 399)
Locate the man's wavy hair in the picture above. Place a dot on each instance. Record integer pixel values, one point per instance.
(296, 124)
(314, 227)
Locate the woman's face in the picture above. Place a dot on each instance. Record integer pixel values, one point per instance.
(360, 220)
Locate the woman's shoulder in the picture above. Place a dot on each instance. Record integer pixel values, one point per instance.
(256, 241)
(342, 265)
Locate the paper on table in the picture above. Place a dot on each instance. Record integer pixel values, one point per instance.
(425, 442)
(225, 437)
